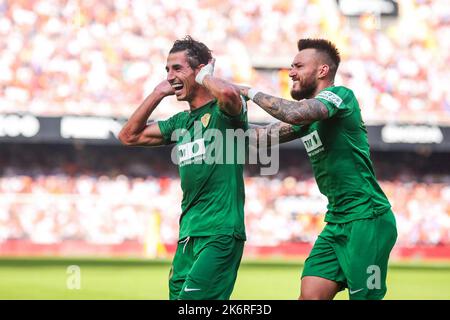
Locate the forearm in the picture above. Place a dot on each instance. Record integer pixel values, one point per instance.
(292, 112)
(226, 94)
(138, 120)
(274, 133)
(218, 87)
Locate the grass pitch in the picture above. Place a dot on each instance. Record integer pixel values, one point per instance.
(141, 279)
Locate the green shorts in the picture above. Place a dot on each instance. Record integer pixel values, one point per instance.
(355, 254)
(205, 268)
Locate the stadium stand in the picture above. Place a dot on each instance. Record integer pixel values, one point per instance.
(61, 58)
(65, 58)
(101, 195)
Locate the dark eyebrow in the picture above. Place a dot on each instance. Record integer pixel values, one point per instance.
(174, 66)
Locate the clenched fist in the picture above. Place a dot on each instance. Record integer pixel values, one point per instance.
(164, 88)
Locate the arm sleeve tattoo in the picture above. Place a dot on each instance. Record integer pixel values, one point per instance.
(274, 133)
(293, 112)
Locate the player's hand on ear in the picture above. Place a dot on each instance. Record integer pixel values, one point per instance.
(205, 70)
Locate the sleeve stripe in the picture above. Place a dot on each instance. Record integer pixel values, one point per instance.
(330, 97)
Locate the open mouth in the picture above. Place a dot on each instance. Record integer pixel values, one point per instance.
(178, 87)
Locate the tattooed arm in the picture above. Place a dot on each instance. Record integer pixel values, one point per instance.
(277, 132)
(293, 112)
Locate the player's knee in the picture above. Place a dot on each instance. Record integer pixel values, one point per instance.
(318, 289)
(313, 295)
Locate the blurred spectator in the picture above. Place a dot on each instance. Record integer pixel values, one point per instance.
(85, 196)
(103, 58)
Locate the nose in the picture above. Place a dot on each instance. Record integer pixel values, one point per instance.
(170, 76)
(291, 72)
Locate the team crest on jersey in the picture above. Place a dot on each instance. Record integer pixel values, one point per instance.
(205, 119)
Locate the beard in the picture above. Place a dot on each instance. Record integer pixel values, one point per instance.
(305, 92)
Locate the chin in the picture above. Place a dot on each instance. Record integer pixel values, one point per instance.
(181, 97)
(304, 93)
(297, 95)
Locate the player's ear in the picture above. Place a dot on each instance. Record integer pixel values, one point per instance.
(323, 71)
(198, 68)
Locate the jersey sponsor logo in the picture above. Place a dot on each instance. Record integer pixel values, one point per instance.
(330, 97)
(191, 150)
(312, 143)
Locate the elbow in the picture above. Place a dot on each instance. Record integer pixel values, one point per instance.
(125, 138)
(292, 120)
(298, 119)
(301, 121)
(230, 95)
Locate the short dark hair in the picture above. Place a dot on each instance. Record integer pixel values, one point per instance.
(323, 46)
(197, 52)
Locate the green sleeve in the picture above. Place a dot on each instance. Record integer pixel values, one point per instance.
(296, 128)
(239, 120)
(337, 99)
(168, 126)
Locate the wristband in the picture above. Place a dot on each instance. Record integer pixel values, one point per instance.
(252, 93)
(200, 76)
(206, 70)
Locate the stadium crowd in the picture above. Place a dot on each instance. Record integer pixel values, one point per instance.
(103, 57)
(108, 197)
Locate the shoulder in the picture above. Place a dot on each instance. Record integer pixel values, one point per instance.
(236, 120)
(336, 92)
(336, 95)
(174, 122)
(180, 115)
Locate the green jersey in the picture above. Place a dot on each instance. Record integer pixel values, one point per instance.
(213, 188)
(338, 149)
